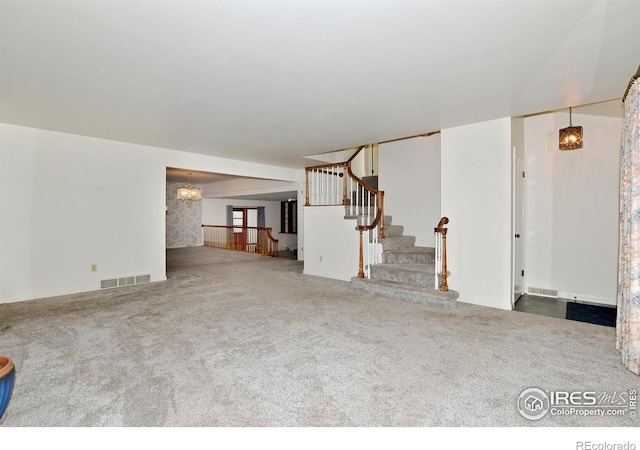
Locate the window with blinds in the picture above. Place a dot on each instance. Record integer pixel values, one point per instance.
(289, 217)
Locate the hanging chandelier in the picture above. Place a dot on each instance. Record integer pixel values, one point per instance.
(570, 137)
(189, 193)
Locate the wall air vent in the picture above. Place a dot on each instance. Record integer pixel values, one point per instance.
(542, 292)
(124, 281)
(143, 279)
(111, 283)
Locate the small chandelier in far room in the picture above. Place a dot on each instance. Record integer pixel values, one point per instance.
(189, 193)
(570, 137)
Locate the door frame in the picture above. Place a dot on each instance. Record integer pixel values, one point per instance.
(517, 232)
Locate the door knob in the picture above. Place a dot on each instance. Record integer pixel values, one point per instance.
(517, 235)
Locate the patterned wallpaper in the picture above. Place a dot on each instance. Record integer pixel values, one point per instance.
(184, 221)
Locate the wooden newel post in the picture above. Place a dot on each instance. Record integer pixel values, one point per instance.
(444, 287)
(361, 264)
(440, 229)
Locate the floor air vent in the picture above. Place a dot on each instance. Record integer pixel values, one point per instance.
(124, 281)
(542, 292)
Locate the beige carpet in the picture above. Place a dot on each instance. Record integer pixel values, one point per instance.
(234, 339)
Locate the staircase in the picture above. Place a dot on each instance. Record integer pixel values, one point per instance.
(407, 272)
(401, 270)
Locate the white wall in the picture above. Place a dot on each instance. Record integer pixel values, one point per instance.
(572, 208)
(183, 219)
(517, 135)
(409, 175)
(70, 201)
(214, 212)
(358, 165)
(331, 243)
(302, 194)
(246, 186)
(476, 197)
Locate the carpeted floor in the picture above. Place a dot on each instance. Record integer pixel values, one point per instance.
(234, 339)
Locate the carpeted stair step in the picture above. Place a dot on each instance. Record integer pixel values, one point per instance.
(413, 255)
(360, 219)
(351, 212)
(393, 230)
(410, 293)
(398, 243)
(389, 231)
(415, 274)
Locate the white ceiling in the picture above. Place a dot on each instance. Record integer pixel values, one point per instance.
(176, 175)
(274, 81)
(198, 178)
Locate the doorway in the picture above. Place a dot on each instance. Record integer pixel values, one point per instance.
(518, 228)
(245, 233)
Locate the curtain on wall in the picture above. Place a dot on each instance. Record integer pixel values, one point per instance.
(628, 322)
(229, 215)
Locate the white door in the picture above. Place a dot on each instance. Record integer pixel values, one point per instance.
(371, 160)
(518, 219)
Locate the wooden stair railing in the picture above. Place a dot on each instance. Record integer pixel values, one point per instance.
(377, 222)
(246, 239)
(336, 184)
(441, 255)
(328, 192)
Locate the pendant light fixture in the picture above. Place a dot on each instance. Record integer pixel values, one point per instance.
(570, 137)
(189, 193)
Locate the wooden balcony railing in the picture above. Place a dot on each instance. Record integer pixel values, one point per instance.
(244, 239)
(336, 184)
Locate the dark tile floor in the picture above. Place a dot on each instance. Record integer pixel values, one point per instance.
(557, 307)
(544, 306)
(287, 254)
